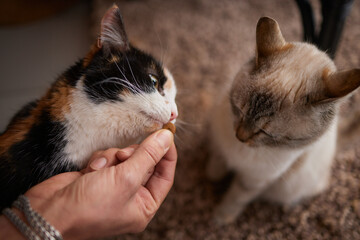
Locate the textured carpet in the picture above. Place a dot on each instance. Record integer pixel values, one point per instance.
(204, 43)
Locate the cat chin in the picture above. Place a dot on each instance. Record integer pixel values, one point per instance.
(251, 143)
(153, 126)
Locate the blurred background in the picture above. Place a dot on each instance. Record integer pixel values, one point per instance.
(38, 40)
(203, 43)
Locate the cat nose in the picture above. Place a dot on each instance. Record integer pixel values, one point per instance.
(174, 112)
(173, 115)
(244, 134)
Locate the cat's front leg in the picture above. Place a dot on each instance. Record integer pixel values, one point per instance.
(235, 201)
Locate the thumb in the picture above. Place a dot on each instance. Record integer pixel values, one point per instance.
(147, 155)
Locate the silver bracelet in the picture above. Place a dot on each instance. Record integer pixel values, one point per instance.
(20, 225)
(43, 230)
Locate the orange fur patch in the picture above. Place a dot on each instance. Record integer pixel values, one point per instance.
(93, 50)
(168, 84)
(57, 100)
(114, 58)
(16, 133)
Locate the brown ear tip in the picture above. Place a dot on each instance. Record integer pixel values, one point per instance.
(110, 11)
(114, 6)
(266, 21)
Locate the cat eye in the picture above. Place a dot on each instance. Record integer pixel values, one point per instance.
(154, 80)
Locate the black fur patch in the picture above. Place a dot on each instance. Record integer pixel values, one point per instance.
(33, 160)
(74, 73)
(106, 79)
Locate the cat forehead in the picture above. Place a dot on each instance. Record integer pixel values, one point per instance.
(294, 73)
(134, 55)
(261, 104)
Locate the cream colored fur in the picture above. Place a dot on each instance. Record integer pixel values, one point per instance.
(261, 171)
(284, 156)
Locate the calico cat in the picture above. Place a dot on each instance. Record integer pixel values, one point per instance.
(113, 97)
(276, 128)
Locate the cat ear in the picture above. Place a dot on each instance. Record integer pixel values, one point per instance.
(113, 33)
(341, 83)
(268, 37)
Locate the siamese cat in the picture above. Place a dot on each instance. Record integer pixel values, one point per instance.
(276, 127)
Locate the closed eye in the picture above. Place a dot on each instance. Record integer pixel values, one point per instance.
(264, 131)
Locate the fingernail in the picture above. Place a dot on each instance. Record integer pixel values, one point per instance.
(98, 163)
(164, 138)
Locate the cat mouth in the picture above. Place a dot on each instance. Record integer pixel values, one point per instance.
(152, 118)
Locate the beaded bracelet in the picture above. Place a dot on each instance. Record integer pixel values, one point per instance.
(39, 227)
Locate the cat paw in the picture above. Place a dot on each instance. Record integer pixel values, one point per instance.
(225, 215)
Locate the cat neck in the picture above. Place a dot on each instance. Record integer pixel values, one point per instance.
(87, 131)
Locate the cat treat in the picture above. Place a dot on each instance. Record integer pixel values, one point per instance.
(170, 126)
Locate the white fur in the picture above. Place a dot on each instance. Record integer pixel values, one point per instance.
(170, 92)
(91, 127)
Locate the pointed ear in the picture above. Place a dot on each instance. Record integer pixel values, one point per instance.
(341, 83)
(112, 34)
(268, 37)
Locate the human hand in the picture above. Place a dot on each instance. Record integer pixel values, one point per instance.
(121, 198)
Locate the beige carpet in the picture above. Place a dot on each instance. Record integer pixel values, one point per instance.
(204, 43)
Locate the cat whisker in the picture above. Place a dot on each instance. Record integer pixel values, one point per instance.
(122, 82)
(180, 144)
(121, 71)
(132, 73)
(182, 124)
(135, 81)
(136, 86)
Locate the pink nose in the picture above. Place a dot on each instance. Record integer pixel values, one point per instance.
(174, 115)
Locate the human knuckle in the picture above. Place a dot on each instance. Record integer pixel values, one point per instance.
(129, 179)
(149, 210)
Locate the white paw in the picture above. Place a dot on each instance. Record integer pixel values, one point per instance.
(224, 215)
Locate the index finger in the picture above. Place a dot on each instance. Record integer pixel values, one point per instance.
(148, 154)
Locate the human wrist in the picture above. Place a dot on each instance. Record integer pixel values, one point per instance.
(54, 211)
(11, 231)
